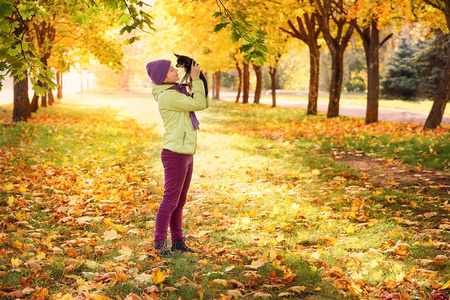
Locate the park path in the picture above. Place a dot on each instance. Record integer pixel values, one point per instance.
(143, 98)
(384, 114)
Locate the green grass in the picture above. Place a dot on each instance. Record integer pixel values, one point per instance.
(265, 187)
(360, 99)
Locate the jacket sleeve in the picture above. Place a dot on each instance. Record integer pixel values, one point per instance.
(173, 100)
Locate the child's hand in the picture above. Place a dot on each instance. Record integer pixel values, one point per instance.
(195, 71)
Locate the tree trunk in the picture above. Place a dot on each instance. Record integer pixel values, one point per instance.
(258, 88)
(440, 100)
(51, 99)
(59, 94)
(337, 73)
(314, 62)
(373, 74)
(21, 110)
(337, 45)
(44, 100)
(218, 79)
(308, 32)
(273, 85)
(34, 103)
(240, 81)
(246, 87)
(442, 93)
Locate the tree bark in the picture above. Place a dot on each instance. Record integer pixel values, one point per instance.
(337, 74)
(442, 93)
(273, 85)
(59, 94)
(240, 81)
(337, 46)
(258, 88)
(308, 32)
(373, 73)
(44, 100)
(314, 62)
(34, 103)
(217, 79)
(441, 97)
(51, 99)
(21, 110)
(246, 87)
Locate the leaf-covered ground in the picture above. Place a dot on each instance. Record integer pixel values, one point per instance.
(282, 205)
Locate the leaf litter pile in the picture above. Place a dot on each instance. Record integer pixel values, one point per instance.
(279, 206)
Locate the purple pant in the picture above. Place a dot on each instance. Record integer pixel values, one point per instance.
(177, 179)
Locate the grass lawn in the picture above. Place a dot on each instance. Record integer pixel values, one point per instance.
(277, 205)
(361, 99)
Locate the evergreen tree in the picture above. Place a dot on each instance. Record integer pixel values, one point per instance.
(400, 82)
(430, 62)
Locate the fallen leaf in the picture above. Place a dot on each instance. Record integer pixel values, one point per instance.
(110, 235)
(236, 284)
(132, 296)
(234, 294)
(158, 276)
(144, 278)
(256, 264)
(297, 289)
(446, 286)
(262, 295)
(221, 281)
(169, 289)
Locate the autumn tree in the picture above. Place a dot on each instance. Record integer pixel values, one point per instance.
(305, 27)
(337, 32)
(17, 50)
(442, 94)
(368, 17)
(179, 32)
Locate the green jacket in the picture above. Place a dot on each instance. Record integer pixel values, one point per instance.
(174, 107)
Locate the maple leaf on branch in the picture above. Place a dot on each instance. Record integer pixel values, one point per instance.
(253, 46)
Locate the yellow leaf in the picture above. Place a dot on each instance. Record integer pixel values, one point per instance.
(256, 264)
(221, 281)
(158, 276)
(315, 172)
(350, 229)
(119, 228)
(253, 214)
(203, 262)
(446, 286)
(22, 189)
(9, 187)
(98, 297)
(61, 296)
(40, 255)
(15, 262)
(108, 221)
(11, 200)
(17, 244)
(377, 275)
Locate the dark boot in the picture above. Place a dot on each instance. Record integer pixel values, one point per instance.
(162, 247)
(180, 245)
